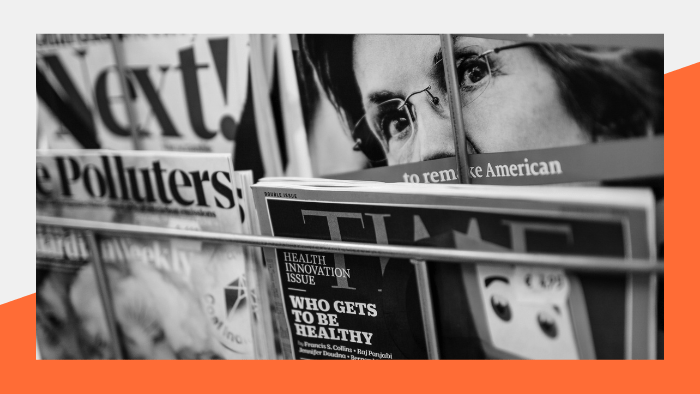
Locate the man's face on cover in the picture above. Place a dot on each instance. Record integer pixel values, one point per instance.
(511, 103)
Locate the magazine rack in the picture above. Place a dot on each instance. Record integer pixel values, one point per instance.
(417, 255)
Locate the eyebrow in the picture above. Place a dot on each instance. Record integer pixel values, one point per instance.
(492, 279)
(436, 74)
(382, 96)
(437, 57)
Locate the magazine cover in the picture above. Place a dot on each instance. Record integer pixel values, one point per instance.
(171, 298)
(70, 314)
(339, 306)
(534, 112)
(179, 300)
(188, 92)
(354, 101)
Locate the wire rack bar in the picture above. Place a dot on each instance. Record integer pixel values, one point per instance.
(574, 263)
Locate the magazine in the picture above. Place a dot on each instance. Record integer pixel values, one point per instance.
(337, 306)
(171, 298)
(175, 300)
(299, 162)
(341, 127)
(187, 92)
(192, 191)
(70, 315)
(535, 110)
(279, 134)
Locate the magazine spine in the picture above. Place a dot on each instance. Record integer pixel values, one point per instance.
(264, 120)
(275, 290)
(295, 133)
(263, 333)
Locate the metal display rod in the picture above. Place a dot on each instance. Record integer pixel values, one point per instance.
(455, 104)
(426, 309)
(574, 263)
(106, 299)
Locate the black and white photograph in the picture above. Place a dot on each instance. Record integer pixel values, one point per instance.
(350, 197)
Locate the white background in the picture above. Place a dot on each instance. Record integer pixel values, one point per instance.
(22, 20)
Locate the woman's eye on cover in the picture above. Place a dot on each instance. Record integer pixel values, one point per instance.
(474, 70)
(395, 125)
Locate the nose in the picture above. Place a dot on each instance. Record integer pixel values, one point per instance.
(433, 132)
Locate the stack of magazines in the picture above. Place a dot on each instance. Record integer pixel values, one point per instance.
(170, 299)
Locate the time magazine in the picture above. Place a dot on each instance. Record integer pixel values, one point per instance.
(336, 306)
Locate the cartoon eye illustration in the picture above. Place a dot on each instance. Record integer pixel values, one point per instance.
(547, 324)
(501, 307)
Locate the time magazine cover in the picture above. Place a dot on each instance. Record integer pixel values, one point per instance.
(171, 298)
(336, 306)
